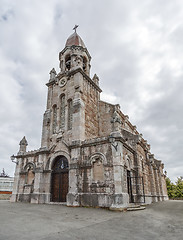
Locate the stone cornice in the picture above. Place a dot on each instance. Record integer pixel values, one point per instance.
(95, 141)
(51, 82)
(98, 141)
(72, 72)
(33, 153)
(128, 147)
(75, 47)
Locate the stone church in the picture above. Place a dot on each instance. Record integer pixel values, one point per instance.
(90, 154)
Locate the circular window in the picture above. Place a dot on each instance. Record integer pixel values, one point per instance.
(62, 82)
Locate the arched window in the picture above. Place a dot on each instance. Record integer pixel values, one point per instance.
(84, 64)
(128, 162)
(29, 168)
(142, 162)
(30, 177)
(98, 170)
(68, 62)
(60, 164)
(54, 118)
(61, 65)
(62, 111)
(70, 112)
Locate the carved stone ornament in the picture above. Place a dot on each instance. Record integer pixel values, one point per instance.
(62, 82)
(78, 61)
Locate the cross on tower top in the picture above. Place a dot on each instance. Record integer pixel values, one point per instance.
(75, 27)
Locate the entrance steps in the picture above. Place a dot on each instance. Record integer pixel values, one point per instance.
(135, 207)
(58, 203)
(131, 206)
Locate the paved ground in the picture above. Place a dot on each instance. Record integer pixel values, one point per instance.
(21, 221)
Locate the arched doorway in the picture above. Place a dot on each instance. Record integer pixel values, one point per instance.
(59, 179)
(129, 186)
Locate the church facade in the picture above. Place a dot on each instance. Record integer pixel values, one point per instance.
(90, 154)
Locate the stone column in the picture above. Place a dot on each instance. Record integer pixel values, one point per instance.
(46, 129)
(153, 183)
(47, 186)
(72, 196)
(16, 181)
(160, 184)
(78, 124)
(120, 198)
(156, 183)
(35, 196)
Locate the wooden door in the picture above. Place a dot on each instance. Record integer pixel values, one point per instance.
(60, 180)
(55, 187)
(64, 186)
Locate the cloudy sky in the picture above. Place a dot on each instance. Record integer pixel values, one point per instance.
(136, 48)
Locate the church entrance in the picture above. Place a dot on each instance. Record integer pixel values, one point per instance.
(60, 179)
(129, 186)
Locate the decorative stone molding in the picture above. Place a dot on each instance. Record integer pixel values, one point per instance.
(95, 79)
(128, 162)
(29, 166)
(97, 162)
(52, 74)
(98, 155)
(56, 154)
(47, 117)
(23, 145)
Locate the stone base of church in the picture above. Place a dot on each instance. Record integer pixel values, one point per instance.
(115, 202)
(152, 199)
(103, 200)
(148, 200)
(24, 197)
(120, 202)
(31, 198)
(40, 197)
(13, 198)
(72, 200)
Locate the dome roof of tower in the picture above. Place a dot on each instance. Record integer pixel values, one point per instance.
(75, 40)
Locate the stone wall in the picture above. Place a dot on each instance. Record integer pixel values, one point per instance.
(105, 116)
(94, 171)
(90, 97)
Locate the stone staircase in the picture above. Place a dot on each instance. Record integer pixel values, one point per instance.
(135, 207)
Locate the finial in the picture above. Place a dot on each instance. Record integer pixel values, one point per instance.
(23, 141)
(75, 27)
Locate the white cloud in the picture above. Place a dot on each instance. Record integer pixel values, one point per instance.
(136, 51)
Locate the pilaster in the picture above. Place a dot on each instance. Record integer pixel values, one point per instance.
(78, 126)
(14, 196)
(120, 197)
(35, 196)
(72, 196)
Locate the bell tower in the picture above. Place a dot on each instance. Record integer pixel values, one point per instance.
(75, 55)
(72, 102)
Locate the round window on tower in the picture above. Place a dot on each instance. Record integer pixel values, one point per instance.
(62, 82)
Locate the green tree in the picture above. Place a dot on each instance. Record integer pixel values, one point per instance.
(170, 188)
(179, 188)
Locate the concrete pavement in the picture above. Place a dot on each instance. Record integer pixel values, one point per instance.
(23, 221)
